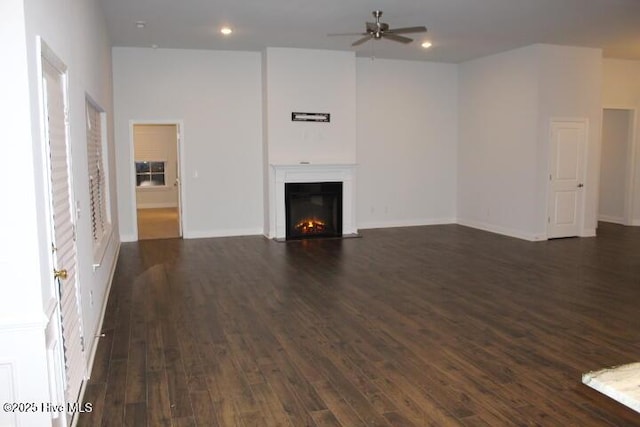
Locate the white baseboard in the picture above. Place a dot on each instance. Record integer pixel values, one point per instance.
(468, 223)
(612, 219)
(503, 230)
(617, 220)
(205, 234)
(532, 237)
(128, 238)
(405, 223)
(103, 311)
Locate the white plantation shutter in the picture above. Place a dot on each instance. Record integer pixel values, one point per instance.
(63, 230)
(97, 188)
(152, 143)
(150, 153)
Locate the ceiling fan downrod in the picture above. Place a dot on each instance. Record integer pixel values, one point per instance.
(378, 33)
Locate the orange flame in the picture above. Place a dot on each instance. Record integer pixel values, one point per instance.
(310, 226)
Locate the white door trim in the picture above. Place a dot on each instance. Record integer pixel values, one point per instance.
(585, 151)
(181, 168)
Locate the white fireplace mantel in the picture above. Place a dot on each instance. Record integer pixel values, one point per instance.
(339, 172)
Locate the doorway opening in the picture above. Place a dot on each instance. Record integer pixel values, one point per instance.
(617, 166)
(156, 154)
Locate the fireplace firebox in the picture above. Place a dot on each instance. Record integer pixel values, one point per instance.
(313, 209)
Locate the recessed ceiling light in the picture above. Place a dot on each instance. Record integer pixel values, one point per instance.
(154, 46)
(226, 31)
(426, 45)
(140, 24)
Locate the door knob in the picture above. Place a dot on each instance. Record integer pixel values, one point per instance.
(60, 274)
(580, 185)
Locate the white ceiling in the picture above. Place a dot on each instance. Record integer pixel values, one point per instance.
(459, 29)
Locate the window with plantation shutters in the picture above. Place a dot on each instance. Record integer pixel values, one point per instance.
(100, 223)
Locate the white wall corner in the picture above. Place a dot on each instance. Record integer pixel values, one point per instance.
(532, 237)
(406, 223)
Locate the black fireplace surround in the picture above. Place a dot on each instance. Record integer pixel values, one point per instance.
(313, 209)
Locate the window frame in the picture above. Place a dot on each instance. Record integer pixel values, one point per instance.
(98, 180)
(150, 173)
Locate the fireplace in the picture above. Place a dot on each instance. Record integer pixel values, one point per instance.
(313, 209)
(304, 173)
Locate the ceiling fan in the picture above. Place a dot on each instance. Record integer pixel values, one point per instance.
(377, 30)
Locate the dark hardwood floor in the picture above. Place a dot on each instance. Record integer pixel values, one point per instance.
(419, 326)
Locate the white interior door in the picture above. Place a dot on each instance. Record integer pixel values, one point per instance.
(566, 178)
(63, 244)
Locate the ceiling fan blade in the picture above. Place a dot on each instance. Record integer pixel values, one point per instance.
(397, 38)
(347, 34)
(362, 40)
(406, 30)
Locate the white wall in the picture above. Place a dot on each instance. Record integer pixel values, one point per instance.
(75, 31)
(621, 89)
(497, 154)
(19, 259)
(615, 142)
(497, 109)
(570, 83)
(217, 95)
(407, 130)
(396, 119)
(310, 81)
(507, 102)
(22, 353)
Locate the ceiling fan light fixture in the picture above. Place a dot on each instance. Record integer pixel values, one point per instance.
(226, 31)
(426, 44)
(380, 30)
(141, 24)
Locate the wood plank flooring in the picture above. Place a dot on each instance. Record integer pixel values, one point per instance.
(158, 223)
(419, 326)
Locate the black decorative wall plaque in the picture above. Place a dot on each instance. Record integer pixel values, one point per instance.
(311, 117)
